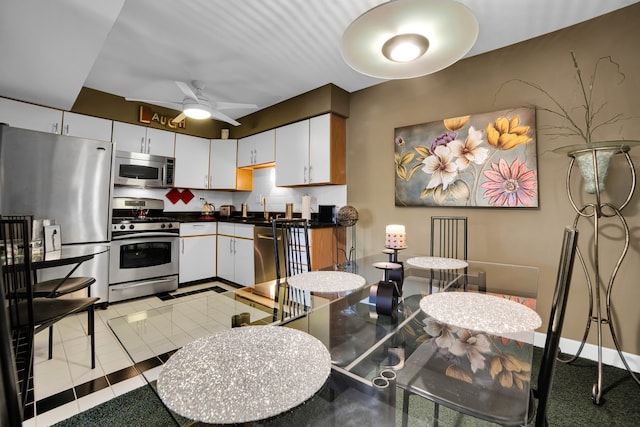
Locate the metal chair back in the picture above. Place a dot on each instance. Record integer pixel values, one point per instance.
(556, 321)
(291, 247)
(448, 237)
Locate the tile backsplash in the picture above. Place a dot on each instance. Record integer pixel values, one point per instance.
(263, 186)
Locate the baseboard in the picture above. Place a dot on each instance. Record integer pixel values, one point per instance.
(590, 351)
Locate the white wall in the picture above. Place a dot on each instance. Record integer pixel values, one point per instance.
(263, 186)
(278, 197)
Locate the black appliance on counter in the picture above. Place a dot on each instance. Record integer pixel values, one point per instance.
(326, 214)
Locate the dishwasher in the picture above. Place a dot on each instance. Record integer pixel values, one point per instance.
(264, 256)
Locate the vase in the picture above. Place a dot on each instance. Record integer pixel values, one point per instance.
(585, 163)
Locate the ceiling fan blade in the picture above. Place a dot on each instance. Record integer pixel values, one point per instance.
(174, 105)
(186, 89)
(232, 105)
(180, 117)
(223, 117)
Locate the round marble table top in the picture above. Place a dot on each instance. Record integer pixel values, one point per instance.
(387, 265)
(437, 263)
(480, 312)
(327, 281)
(244, 374)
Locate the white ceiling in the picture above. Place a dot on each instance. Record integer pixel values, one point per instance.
(250, 51)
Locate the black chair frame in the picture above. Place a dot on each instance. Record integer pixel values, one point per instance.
(291, 248)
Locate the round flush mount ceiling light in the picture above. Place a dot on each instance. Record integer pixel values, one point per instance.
(427, 36)
(405, 47)
(195, 109)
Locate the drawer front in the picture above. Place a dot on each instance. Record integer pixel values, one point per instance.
(244, 230)
(226, 228)
(197, 228)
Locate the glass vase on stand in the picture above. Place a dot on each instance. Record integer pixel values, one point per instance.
(593, 161)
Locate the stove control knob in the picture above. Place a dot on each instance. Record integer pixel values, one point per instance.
(162, 225)
(131, 227)
(122, 227)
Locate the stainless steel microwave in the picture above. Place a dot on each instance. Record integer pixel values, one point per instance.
(143, 170)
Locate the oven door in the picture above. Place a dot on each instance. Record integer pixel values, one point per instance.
(142, 257)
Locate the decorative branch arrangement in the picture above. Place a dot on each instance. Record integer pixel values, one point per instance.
(589, 109)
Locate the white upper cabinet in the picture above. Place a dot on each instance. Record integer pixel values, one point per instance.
(222, 164)
(321, 146)
(311, 152)
(292, 154)
(141, 139)
(258, 149)
(28, 116)
(192, 162)
(82, 126)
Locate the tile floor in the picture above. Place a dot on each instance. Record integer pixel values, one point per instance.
(66, 385)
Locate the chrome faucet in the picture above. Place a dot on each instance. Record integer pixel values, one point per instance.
(264, 208)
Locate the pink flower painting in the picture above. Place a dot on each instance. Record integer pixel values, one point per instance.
(482, 160)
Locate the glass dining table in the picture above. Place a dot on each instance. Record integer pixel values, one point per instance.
(406, 368)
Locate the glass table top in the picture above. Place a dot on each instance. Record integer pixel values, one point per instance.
(361, 343)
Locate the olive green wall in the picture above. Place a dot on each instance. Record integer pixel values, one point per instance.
(327, 98)
(502, 235)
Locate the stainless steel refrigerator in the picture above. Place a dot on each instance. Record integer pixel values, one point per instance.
(67, 179)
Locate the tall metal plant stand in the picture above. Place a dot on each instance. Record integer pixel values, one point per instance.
(596, 212)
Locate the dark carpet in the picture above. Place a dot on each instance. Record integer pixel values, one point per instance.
(571, 405)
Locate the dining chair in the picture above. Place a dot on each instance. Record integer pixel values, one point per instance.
(448, 239)
(11, 413)
(542, 391)
(292, 256)
(59, 286)
(27, 314)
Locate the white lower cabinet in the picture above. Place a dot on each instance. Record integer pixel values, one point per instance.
(235, 253)
(197, 251)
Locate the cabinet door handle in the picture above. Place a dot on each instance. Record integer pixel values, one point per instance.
(310, 175)
(206, 181)
(230, 246)
(65, 130)
(142, 145)
(305, 175)
(54, 128)
(182, 246)
(148, 145)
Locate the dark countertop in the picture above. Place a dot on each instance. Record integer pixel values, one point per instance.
(253, 218)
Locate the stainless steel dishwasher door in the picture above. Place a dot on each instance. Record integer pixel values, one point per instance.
(264, 255)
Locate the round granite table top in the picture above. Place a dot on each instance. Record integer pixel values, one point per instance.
(480, 312)
(244, 374)
(327, 281)
(437, 263)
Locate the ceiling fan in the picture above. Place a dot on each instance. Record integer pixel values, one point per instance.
(196, 105)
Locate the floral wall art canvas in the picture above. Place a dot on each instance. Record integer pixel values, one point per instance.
(483, 160)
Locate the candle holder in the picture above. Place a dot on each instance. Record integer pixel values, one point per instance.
(386, 292)
(396, 275)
